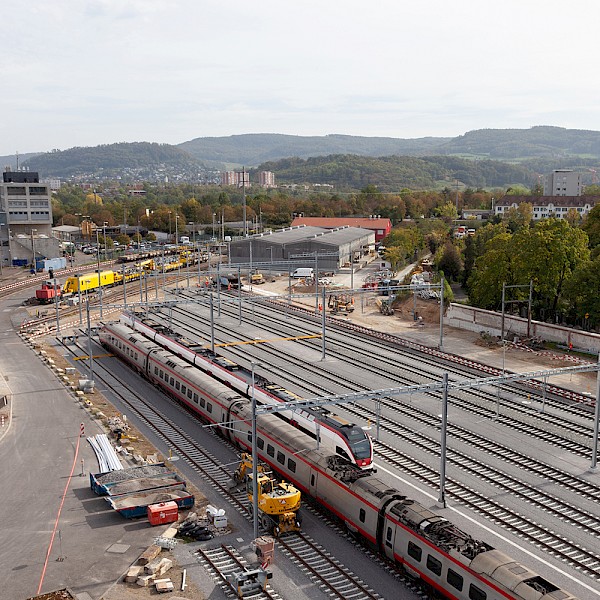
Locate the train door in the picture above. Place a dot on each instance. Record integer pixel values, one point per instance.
(313, 483)
(389, 538)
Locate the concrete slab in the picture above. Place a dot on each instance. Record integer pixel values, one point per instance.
(118, 548)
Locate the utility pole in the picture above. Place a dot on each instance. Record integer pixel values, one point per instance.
(244, 199)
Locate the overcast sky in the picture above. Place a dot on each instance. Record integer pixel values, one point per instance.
(89, 72)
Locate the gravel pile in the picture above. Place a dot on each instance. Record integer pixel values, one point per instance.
(133, 473)
(145, 483)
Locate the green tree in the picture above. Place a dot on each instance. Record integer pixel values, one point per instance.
(448, 261)
(521, 216)
(475, 246)
(591, 225)
(548, 254)
(491, 270)
(123, 239)
(582, 291)
(447, 212)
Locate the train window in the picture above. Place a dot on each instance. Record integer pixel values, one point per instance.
(291, 465)
(250, 435)
(209, 407)
(183, 389)
(434, 565)
(172, 381)
(195, 398)
(270, 450)
(260, 443)
(156, 370)
(202, 402)
(189, 393)
(476, 594)
(177, 385)
(312, 480)
(415, 551)
(136, 356)
(454, 579)
(388, 537)
(161, 374)
(362, 515)
(281, 458)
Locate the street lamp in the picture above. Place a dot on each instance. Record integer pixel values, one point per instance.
(99, 272)
(169, 227)
(104, 224)
(213, 224)
(2, 247)
(33, 250)
(254, 458)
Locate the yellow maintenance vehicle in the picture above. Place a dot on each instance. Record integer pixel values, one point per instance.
(278, 501)
(257, 278)
(340, 303)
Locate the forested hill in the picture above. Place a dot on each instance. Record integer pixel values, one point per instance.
(254, 148)
(393, 173)
(551, 144)
(340, 160)
(142, 160)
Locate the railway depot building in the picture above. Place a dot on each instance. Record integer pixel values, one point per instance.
(334, 247)
(381, 226)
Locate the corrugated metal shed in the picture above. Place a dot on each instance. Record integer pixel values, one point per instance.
(285, 245)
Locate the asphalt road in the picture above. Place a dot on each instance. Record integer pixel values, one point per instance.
(37, 453)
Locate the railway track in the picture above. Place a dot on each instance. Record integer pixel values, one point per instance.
(546, 427)
(328, 573)
(333, 578)
(351, 349)
(567, 551)
(583, 560)
(225, 560)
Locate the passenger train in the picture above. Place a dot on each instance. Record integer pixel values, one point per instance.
(449, 562)
(340, 436)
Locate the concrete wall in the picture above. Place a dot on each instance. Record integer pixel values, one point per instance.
(477, 320)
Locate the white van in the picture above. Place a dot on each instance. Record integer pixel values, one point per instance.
(303, 272)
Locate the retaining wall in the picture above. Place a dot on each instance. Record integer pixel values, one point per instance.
(478, 320)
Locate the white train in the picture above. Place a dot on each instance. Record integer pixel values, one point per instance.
(448, 562)
(336, 434)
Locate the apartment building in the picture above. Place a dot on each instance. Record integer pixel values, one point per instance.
(548, 206)
(563, 182)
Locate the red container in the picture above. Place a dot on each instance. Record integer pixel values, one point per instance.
(165, 512)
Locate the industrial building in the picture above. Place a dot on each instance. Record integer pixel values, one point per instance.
(381, 226)
(25, 219)
(305, 246)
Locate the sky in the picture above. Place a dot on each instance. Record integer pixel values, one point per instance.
(90, 72)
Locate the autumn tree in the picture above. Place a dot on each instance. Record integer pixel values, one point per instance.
(521, 216)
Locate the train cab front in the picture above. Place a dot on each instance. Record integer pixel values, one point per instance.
(361, 446)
